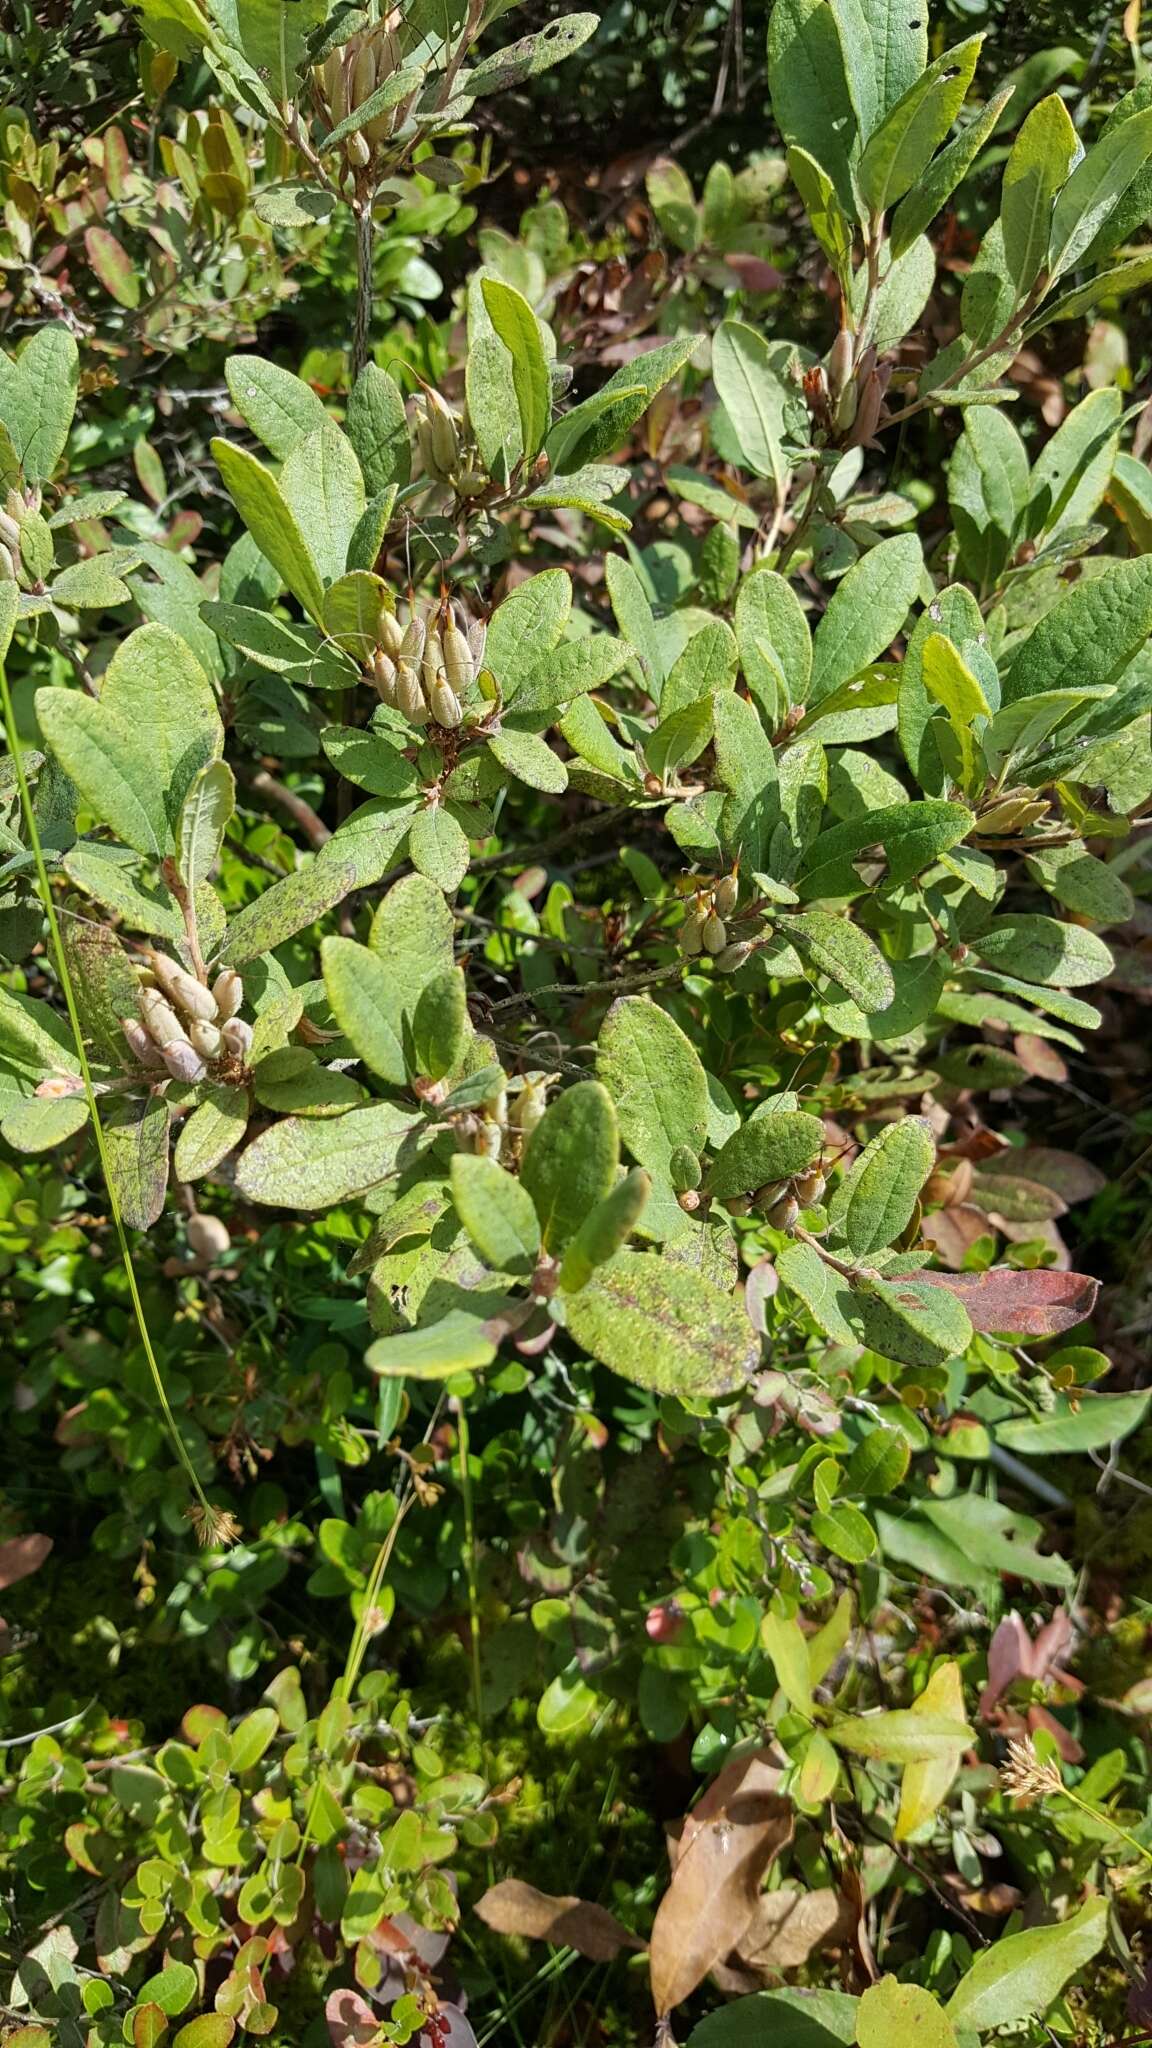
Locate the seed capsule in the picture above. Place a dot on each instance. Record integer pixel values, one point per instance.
(160, 1020)
(236, 1037)
(471, 483)
(715, 934)
(783, 1213)
(363, 75)
(691, 937)
(725, 895)
(412, 640)
(490, 1139)
(389, 632)
(732, 957)
(840, 357)
(205, 1038)
(184, 1062)
(191, 995)
(409, 695)
(7, 565)
(358, 152)
(808, 1188)
(383, 673)
(208, 1236)
(458, 664)
(529, 1106)
(445, 705)
(9, 530)
(432, 666)
(333, 76)
(769, 1193)
(144, 1047)
(227, 992)
(445, 433)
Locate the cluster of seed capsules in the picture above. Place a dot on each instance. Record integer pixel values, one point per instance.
(781, 1201)
(15, 510)
(705, 927)
(431, 669)
(446, 452)
(350, 76)
(498, 1128)
(184, 1026)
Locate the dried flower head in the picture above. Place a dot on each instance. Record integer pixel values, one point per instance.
(1026, 1777)
(215, 1528)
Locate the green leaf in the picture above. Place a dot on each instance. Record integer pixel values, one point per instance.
(901, 1736)
(284, 909)
(937, 183)
(303, 655)
(926, 1783)
(400, 86)
(891, 2011)
(377, 426)
(1037, 168)
(560, 38)
(528, 757)
(1087, 1424)
(568, 672)
(808, 81)
(787, 1645)
(635, 619)
(889, 54)
(210, 2030)
(1082, 883)
(605, 1229)
(280, 408)
(900, 148)
(991, 1535)
(91, 585)
(315, 1162)
(875, 1202)
(570, 1161)
(459, 1342)
(879, 1462)
(526, 626)
(38, 398)
(324, 491)
(908, 1320)
(1073, 470)
(867, 611)
(173, 1988)
(753, 394)
(40, 1123)
(911, 836)
(775, 643)
(1129, 276)
(1042, 949)
(829, 221)
(214, 1129)
(845, 1531)
(656, 1080)
(440, 1024)
(567, 1705)
(988, 491)
(251, 1737)
(840, 949)
(673, 201)
(496, 1212)
(265, 511)
(663, 1326)
(367, 1005)
(786, 2019)
(136, 1150)
(769, 1147)
(109, 763)
(204, 817)
(949, 681)
(519, 330)
(438, 847)
(1021, 1975)
(1095, 188)
(1092, 632)
(599, 426)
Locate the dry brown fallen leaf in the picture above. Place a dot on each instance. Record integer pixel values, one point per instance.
(728, 1841)
(517, 1908)
(788, 1926)
(21, 1556)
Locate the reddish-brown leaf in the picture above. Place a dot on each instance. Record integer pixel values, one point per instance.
(20, 1557)
(1039, 1057)
(727, 1844)
(113, 266)
(1072, 1178)
(517, 1908)
(1039, 1304)
(788, 1926)
(954, 1231)
(351, 2020)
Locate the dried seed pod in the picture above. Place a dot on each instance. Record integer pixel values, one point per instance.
(145, 1048)
(691, 935)
(725, 895)
(236, 1037)
(409, 695)
(445, 705)
(688, 1200)
(205, 1037)
(715, 934)
(160, 1020)
(389, 632)
(731, 957)
(227, 992)
(184, 1062)
(783, 1213)
(383, 673)
(182, 988)
(208, 1236)
(808, 1188)
(458, 664)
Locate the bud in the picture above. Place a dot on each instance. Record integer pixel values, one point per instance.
(691, 939)
(236, 1037)
(145, 1048)
(496, 1106)
(724, 895)
(783, 1213)
(445, 432)
(382, 670)
(715, 934)
(471, 483)
(689, 1200)
(458, 665)
(731, 957)
(357, 152)
(664, 1624)
(529, 1106)
(227, 992)
(409, 695)
(205, 1037)
(445, 705)
(490, 1140)
(184, 1062)
(389, 632)
(160, 1021)
(808, 1188)
(192, 996)
(208, 1237)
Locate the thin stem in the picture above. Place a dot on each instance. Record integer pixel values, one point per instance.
(470, 1568)
(623, 984)
(362, 329)
(208, 1518)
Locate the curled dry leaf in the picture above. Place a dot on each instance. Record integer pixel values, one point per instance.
(1038, 1304)
(21, 1556)
(727, 1844)
(513, 1907)
(954, 1231)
